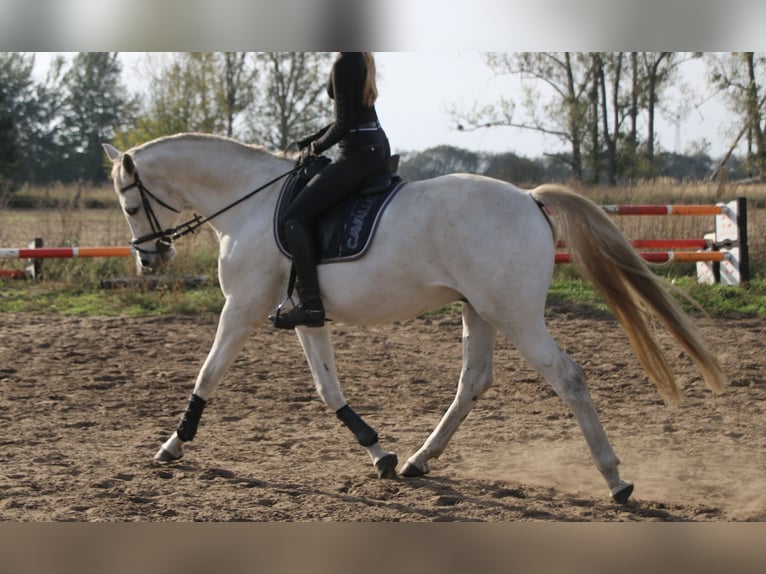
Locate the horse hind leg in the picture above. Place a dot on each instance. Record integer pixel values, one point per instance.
(568, 380)
(475, 378)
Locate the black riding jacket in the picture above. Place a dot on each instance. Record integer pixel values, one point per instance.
(355, 124)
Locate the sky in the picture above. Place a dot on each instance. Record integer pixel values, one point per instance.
(418, 89)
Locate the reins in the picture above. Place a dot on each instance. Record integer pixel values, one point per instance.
(165, 237)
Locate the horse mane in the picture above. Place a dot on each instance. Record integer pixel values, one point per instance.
(197, 136)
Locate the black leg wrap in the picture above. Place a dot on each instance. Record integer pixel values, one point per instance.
(365, 435)
(187, 428)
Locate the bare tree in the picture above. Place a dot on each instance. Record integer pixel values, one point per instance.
(656, 69)
(585, 101)
(565, 76)
(741, 76)
(237, 87)
(291, 99)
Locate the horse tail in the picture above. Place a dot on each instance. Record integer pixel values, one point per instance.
(604, 257)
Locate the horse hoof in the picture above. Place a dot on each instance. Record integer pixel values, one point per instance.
(621, 493)
(164, 455)
(411, 471)
(386, 466)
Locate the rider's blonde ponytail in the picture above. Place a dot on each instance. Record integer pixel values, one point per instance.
(370, 93)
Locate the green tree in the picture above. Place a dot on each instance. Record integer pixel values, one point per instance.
(194, 92)
(9, 152)
(438, 161)
(515, 169)
(9, 137)
(95, 106)
(269, 98)
(34, 109)
(182, 98)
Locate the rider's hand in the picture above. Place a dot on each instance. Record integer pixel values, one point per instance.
(303, 143)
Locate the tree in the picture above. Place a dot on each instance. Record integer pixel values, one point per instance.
(238, 87)
(515, 169)
(588, 101)
(742, 76)
(184, 95)
(34, 107)
(95, 106)
(438, 161)
(9, 151)
(689, 167)
(657, 69)
(613, 110)
(291, 97)
(565, 77)
(271, 98)
(9, 136)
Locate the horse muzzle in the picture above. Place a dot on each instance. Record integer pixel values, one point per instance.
(149, 259)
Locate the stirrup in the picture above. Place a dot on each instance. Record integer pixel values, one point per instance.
(298, 316)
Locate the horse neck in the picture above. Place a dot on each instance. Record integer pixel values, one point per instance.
(209, 173)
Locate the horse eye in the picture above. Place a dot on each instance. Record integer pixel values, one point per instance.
(131, 210)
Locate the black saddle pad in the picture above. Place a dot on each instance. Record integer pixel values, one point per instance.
(345, 231)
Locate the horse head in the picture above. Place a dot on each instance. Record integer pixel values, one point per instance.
(148, 213)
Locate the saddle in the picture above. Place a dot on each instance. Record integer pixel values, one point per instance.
(345, 231)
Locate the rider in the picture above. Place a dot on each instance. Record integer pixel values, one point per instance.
(363, 147)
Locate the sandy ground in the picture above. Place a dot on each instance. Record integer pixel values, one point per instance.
(86, 402)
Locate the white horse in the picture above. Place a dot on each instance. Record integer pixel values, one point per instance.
(458, 237)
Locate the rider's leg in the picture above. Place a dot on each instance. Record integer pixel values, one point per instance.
(309, 311)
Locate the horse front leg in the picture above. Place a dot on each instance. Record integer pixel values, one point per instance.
(475, 378)
(317, 347)
(234, 327)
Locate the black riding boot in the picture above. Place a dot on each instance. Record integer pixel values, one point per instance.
(310, 311)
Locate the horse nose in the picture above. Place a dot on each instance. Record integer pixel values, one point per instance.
(145, 262)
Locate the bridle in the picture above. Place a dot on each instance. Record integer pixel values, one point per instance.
(164, 238)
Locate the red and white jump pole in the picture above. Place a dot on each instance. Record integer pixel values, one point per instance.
(65, 252)
(36, 253)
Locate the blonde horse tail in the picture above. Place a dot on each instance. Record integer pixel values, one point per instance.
(604, 257)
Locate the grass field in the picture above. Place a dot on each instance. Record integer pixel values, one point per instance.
(68, 216)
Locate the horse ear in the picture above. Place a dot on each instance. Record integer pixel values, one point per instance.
(111, 152)
(127, 164)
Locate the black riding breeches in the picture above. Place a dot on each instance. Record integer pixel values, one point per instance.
(336, 181)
